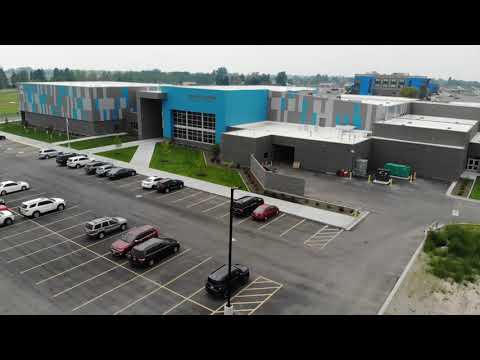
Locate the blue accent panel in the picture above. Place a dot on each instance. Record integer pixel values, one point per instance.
(346, 120)
(105, 115)
(283, 104)
(314, 117)
(366, 84)
(303, 115)
(337, 119)
(357, 116)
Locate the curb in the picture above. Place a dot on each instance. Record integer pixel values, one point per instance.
(400, 280)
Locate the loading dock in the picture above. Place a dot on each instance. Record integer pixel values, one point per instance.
(149, 115)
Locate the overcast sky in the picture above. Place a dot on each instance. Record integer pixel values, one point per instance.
(460, 62)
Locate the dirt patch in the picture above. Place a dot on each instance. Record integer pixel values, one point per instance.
(462, 188)
(424, 294)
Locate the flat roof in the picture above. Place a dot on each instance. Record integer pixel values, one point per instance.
(470, 104)
(92, 83)
(432, 122)
(476, 138)
(246, 87)
(339, 134)
(377, 100)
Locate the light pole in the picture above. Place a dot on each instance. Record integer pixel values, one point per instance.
(352, 151)
(68, 134)
(228, 310)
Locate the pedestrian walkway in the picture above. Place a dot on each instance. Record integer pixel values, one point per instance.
(327, 217)
(140, 143)
(89, 138)
(144, 154)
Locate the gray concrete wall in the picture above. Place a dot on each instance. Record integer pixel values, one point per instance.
(150, 124)
(432, 162)
(80, 127)
(434, 136)
(445, 110)
(277, 182)
(237, 149)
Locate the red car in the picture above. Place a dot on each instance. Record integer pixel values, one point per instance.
(265, 212)
(131, 238)
(3, 207)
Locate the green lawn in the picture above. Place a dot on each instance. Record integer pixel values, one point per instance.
(37, 134)
(189, 162)
(124, 154)
(8, 102)
(93, 143)
(454, 252)
(476, 190)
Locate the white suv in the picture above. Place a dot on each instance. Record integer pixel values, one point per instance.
(12, 186)
(47, 153)
(39, 206)
(78, 161)
(6, 217)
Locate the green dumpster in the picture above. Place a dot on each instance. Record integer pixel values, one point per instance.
(399, 170)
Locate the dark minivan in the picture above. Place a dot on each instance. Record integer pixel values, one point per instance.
(134, 236)
(152, 251)
(245, 205)
(217, 280)
(167, 185)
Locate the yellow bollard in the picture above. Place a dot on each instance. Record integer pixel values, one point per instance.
(414, 175)
(391, 182)
(369, 179)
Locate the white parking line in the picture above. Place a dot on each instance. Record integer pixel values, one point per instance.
(40, 250)
(189, 196)
(293, 227)
(202, 201)
(129, 281)
(72, 268)
(62, 256)
(252, 295)
(242, 221)
(163, 286)
(271, 222)
(228, 213)
(25, 197)
(131, 183)
(184, 300)
(36, 239)
(89, 279)
(163, 195)
(216, 206)
(318, 232)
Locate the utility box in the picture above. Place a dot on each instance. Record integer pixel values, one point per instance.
(398, 170)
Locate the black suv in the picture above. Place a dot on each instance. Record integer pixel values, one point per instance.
(152, 250)
(91, 167)
(63, 157)
(245, 205)
(167, 185)
(217, 280)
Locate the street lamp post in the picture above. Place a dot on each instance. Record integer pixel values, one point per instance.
(352, 151)
(68, 134)
(229, 308)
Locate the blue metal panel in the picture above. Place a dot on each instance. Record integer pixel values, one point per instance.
(357, 116)
(337, 119)
(346, 120)
(314, 118)
(303, 115)
(366, 84)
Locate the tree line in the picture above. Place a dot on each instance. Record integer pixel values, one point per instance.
(220, 76)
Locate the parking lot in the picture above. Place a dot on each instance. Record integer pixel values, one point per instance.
(297, 266)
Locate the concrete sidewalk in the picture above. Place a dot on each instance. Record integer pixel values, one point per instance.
(327, 217)
(89, 138)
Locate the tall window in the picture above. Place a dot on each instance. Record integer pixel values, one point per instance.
(194, 126)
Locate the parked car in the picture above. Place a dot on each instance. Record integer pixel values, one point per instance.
(7, 187)
(153, 250)
(63, 158)
(120, 173)
(167, 185)
(103, 170)
(245, 205)
(93, 165)
(4, 207)
(47, 153)
(6, 217)
(133, 237)
(343, 173)
(151, 182)
(2, 137)
(105, 225)
(36, 207)
(265, 212)
(217, 280)
(78, 161)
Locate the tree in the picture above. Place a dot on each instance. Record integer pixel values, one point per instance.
(281, 78)
(13, 79)
(57, 75)
(38, 75)
(3, 79)
(221, 76)
(409, 92)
